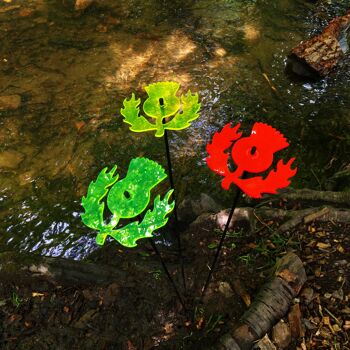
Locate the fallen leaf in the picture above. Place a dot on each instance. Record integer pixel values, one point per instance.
(199, 323)
(252, 245)
(322, 245)
(169, 328)
(295, 321)
(303, 346)
(79, 124)
(37, 294)
(340, 249)
(131, 345)
(326, 320)
(66, 309)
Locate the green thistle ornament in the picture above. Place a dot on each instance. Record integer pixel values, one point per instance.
(162, 103)
(127, 199)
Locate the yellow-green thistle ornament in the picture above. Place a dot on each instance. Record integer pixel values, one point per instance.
(163, 108)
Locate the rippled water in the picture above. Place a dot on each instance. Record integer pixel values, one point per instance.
(72, 72)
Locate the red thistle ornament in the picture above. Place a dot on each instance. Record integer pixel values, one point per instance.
(253, 154)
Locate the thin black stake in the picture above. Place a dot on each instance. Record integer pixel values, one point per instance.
(171, 181)
(167, 272)
(223, 236)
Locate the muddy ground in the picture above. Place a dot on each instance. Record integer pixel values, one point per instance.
(142, 311)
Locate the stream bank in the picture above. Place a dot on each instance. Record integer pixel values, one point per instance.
(132, 305)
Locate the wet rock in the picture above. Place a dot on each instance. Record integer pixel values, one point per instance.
(281, 335)
(10, 159)
(190, 209)
(320, 54)
(241, 216)
(10, 102)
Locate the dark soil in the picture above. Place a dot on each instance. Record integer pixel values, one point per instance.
(142, 312)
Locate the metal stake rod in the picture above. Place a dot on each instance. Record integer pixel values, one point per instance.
(167, 272)
(171, 180)
(223, 236)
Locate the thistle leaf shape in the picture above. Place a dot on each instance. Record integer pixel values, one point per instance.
(162, 103)
(126, 198)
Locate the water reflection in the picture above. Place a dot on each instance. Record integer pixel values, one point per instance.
(72, 74)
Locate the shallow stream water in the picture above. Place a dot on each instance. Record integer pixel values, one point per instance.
(73, 70)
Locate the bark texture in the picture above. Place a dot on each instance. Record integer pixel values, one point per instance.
(324, 51)
(270, 305)
(16, 266)
(307, 195)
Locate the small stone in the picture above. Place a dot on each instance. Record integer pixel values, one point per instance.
(281, 335)
(190, 209)
(10, 102)
(10, 159)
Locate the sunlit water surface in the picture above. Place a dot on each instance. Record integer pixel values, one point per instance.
(73, 71)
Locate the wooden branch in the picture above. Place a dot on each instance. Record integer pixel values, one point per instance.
(306, 195)
(289, 218)
(270, 305)
(16, 267)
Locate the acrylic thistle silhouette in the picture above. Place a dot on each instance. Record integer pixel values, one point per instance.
(127, 199)
(162, 103)
(253, 154)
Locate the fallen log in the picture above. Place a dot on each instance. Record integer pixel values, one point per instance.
(289, 219)
(320, 54)
(307, 195)
(270, 305)
(22, 267)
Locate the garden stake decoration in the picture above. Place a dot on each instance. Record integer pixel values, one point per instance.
(127, 199)
(164, 111)
(253, 154)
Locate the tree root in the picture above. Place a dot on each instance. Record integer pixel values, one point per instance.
(290, 218)
(269, 306)
(22, 267)
(306, 195)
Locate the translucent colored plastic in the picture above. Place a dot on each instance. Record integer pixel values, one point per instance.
(162, 102)
(253, 154)
(127, 199)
